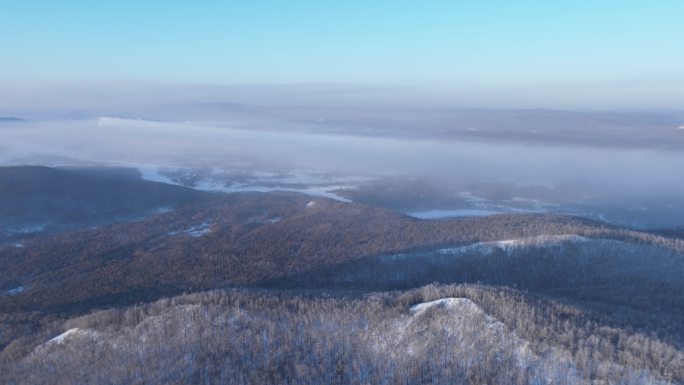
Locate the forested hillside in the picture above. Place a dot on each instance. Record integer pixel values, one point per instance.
(244, 239)
(290, 288)
(435, 335)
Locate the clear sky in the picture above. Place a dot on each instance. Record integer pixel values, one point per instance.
(481, 45)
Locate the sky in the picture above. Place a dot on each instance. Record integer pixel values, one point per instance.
(353, 86)
(578, 53)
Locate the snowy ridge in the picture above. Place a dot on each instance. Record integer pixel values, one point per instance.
(462, 321)
(70, 334)
(457, 320)
(460, 304)
(513, 244)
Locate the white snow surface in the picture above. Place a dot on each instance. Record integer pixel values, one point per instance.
(194, 231)
(305, 184)
(457, 304)
(199, 230)
(437, 214)
(16, 290)
(71, 333)
(512, 244)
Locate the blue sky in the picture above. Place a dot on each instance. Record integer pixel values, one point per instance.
(477, 45)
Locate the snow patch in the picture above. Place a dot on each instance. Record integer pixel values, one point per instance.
(311, 205)
(460, 304)
(60, 338)
(438, 214)
(163, 210)
(29, 229)
(71, 333)
(16, 290)
(152, 174)
(194, 231)
(321, 191)
(199, 230)
(512, 244)
(267, 182)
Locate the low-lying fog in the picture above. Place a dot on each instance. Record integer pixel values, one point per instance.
(475, 168)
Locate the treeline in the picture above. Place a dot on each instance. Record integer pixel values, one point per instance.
(498, 336)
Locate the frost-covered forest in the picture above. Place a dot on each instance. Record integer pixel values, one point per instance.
(185, 286)
(434, 335)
